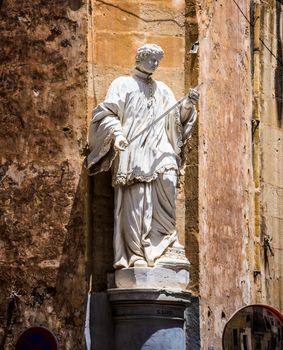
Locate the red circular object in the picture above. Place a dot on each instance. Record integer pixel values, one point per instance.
(37, 338)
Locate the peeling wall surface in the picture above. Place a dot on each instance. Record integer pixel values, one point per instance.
(240, 160)
(42, 134)
(271, 151)
(225, 166)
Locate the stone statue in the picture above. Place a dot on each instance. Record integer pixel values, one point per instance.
(143, 151)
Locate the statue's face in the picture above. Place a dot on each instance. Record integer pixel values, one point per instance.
(149, 63)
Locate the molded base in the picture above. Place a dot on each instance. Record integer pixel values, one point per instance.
(156, 277)
(148, 319)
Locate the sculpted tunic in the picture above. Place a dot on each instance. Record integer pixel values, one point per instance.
(144, 175)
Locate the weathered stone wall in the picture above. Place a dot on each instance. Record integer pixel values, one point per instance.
(226, 224)
(231, 194)
(269, 71)
(191, 174)
(43, 130)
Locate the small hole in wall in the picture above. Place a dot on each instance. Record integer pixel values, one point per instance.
(208, 313)
(223, 314)
(67, 131)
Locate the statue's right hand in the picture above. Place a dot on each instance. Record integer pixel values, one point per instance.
(120, 143)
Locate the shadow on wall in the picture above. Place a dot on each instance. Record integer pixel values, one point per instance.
(71, 286)
(191, 175)
(102, 212)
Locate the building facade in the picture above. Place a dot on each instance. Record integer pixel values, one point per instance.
(57, 61)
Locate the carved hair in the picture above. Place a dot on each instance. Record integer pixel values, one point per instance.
(149, 49)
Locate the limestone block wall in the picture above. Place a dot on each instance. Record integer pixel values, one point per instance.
(43, 102)
(120, 27)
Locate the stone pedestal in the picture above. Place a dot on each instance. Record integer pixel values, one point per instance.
(171, 271)
(148, 319)
(157, 277)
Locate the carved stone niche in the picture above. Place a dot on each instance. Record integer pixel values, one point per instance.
(148, 319)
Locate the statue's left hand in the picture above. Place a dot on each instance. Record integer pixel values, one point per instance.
(193, 96)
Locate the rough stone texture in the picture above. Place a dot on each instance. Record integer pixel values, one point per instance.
(230, 197)
(42, 134)
(270, 66)
(191, 173)
(225, 164)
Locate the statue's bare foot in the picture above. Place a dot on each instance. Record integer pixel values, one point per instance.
(140, 263)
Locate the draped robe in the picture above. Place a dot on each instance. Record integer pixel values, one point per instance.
(145, 174)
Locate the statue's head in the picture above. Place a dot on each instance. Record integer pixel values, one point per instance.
(148, 57)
